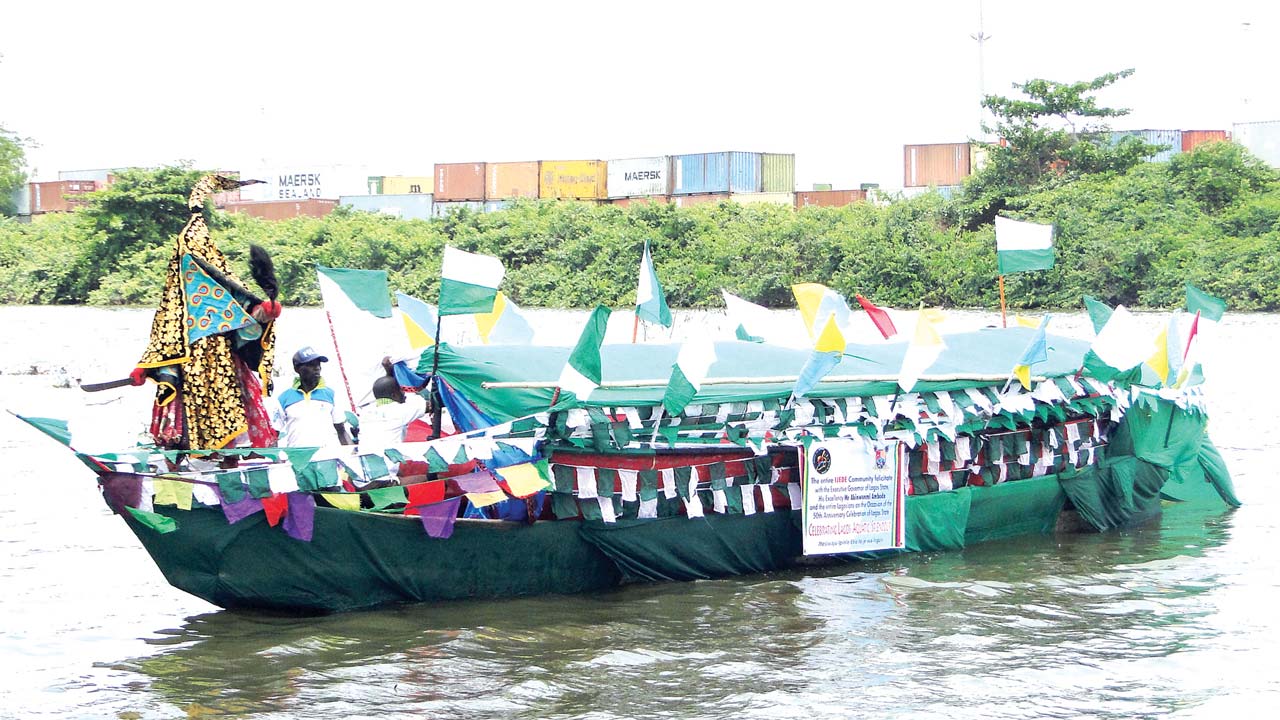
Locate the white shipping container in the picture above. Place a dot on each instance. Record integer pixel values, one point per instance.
(639, 177)
(1261, 139)
(298, 182)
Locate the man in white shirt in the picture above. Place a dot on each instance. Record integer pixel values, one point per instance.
(307, 414)
(383, 423)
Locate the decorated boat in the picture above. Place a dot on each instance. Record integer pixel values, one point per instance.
(579, 469)
(536, 496)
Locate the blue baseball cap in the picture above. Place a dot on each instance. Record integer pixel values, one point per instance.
(306, 355)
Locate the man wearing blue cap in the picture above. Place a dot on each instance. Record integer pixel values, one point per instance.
(308, 414)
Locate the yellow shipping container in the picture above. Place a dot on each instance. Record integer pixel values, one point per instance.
(406, 185)
(573, 179)
(507, 180)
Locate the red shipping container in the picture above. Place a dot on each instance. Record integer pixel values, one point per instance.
(941, 164)
(284, 209)
(1192, 138)
(59, 195)
(459, 181)
(829, 198)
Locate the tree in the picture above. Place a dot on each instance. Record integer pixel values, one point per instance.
(1053, 134)
(13, 160)
(142, 209)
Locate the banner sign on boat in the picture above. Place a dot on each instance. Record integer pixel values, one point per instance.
(854, 496)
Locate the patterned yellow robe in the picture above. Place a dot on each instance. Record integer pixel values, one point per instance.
(206, 383)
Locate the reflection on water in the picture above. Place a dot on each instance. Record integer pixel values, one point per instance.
(1082, 622)
(1173, 618)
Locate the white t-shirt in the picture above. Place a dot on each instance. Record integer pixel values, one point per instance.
(306, 419)
(382, 424)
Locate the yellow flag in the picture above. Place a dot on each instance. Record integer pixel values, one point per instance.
(418, 337)
(486, 499)
(524, 480)
(1023, 373)
(831, 340)
(343, 501)
(1026, 322)
(486, 321)
(808, 298)
(1159, 360)
(166, 493)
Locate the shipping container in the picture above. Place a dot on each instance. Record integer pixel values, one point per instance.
(1191, 139)
(375, 185)
(1260, 138)
(777, 173)
(572, 179)
(102, 176)
(829, 198)
(283, 209)
(413, 206)
(222, 199)
(948, 192)
(937, 164)
(1170, 140)
(59, 195)
(821, 186)
(634, 201)
(639, 177)
(700, 199)
(716, 173)
(20, 200)
(507, 180)
(300, 182)
(456, 182)
(443, 209)
(406, 185)
(496, 205)
(764, 198)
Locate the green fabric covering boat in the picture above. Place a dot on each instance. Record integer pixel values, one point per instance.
(983, 461)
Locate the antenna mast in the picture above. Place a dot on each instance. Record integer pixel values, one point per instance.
(981, 37)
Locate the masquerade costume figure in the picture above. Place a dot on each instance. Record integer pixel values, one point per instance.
(212, 341)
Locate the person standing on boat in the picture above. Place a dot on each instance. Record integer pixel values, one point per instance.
(307, 414)
(383, 423)
(212, 341)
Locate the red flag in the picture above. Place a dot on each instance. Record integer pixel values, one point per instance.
(881, 318)
(420, 494)
(1191, 335)
(275, 507)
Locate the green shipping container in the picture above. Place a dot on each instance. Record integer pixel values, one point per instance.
(777, 173)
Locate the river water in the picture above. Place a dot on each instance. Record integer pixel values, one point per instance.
(1174, 619)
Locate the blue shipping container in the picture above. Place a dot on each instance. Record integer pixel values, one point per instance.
(717, 173)
(416, 206)
(1170, 139)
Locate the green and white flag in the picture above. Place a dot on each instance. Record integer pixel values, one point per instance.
(688, 373)
(468, 282)
(651, 303)
(365, 329)
(583, 372)
(749, 319)
(1022, 246)
(1121, 346)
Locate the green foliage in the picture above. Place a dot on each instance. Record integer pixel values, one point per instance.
(1132, 237)
(13, 160)
(140, 213)
(1050, 137)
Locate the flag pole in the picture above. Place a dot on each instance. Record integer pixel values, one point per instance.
(1004, 322)
(635, 327)
(341, 368)
(436, 400)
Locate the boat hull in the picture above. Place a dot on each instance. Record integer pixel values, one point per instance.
(361, 560)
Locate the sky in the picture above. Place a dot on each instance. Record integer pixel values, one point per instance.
(390, 88)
